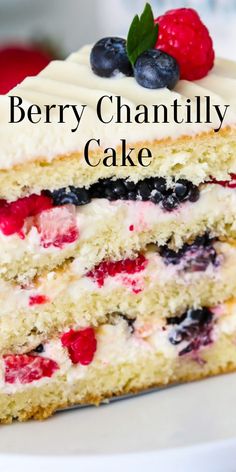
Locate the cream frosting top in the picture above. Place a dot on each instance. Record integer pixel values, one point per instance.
(72, 82)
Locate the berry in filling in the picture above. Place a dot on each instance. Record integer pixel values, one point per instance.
(193, 257)
(81, 345)
(57, 227)
(194, 327)
(13, 215)
(151, 189)
(111, 269)
(38, 300)
(225, 183)
(25, 368)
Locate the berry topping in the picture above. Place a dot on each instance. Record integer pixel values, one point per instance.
(25, 368)
(155, 69)
(183, 35)
(13, 215)
(194, 327)
(111, 269)
(109, 58)
(81, 345)
(195, 257)
(57, 227)
(38, 300)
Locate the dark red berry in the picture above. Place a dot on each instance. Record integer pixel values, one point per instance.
(81, 345)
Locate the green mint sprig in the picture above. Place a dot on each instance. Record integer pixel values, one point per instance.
(142, 35)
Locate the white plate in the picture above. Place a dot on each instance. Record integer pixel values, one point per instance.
(188, 428)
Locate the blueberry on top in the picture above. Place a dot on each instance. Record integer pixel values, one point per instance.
(109, 57)
(155, 69)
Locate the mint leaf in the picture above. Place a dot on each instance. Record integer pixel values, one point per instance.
(142, 35)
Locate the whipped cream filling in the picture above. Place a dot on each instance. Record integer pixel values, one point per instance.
(117, 344)
(100, 218)
(154, 274)
(73, 82)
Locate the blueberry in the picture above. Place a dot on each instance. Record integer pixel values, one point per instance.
(159, 184)
(182, 189)
(109, 57)
(119, 188)
(170, 202)
(115, 190)
(109, 194)
(131, 186)
(156, 196)
(132, 196)
(39, 349)
(83, 196)
(155, 69)
(200, 316)
(71, 195)
(194, 194)
(144, 191)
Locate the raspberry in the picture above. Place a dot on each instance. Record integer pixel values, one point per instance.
(126, 266)
(25, 368)
(38, 300)
(81, 345)
(183, 35)
(13, 215)
(57, 226)
(225, 183)
(18, 62)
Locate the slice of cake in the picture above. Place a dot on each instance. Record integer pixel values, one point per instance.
(117, 221)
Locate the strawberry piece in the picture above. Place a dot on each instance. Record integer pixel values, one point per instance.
(108, 268)
(183, 35)
(57, 226)
(25, 368)
(81, 345)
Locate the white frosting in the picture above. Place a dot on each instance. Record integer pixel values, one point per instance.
(73, 82)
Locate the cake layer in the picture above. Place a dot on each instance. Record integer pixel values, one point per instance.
(195, 158)
(112, 230)
(157, 283)
(89, 366)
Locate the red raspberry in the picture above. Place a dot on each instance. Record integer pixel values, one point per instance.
(25, 368)
(225, 183)
(183, 35)
(38, 300)
(13, 215)
(81, 345)
(18, 62)
(109, 268)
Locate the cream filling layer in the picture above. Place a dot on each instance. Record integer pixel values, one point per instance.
(156, 282)
(117, 345)
(109, 228)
